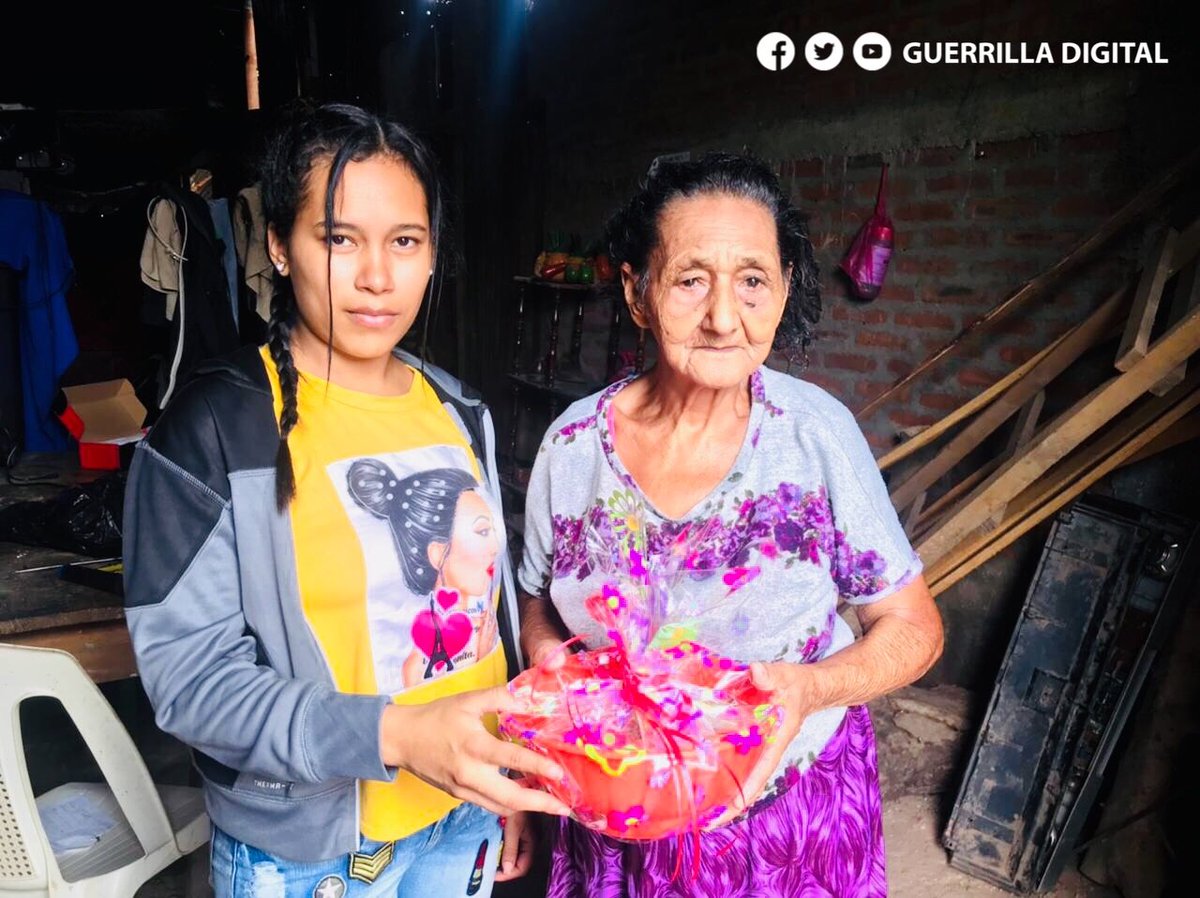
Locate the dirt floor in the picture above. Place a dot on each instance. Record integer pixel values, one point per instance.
(923, 737)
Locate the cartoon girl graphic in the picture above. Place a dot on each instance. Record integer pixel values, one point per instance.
(446, 542)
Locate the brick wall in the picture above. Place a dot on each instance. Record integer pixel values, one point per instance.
(996, 170)
(972, 224)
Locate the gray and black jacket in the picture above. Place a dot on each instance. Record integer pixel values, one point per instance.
(224, 651)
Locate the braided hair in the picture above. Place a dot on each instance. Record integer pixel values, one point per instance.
(632, 234)
(340, 134)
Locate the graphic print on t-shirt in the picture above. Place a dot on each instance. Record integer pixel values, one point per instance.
(430, 541)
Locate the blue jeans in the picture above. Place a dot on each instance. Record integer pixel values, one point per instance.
(454, 857)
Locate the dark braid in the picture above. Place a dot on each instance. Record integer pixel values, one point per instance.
(279, 332)
(338, 134)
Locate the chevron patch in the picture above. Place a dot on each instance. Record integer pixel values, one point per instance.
(367, 867)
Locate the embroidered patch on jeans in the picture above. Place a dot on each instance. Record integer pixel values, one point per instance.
(330, 887)
(367, 867)
(476, 879)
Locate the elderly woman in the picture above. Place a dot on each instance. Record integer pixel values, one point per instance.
(717, 265)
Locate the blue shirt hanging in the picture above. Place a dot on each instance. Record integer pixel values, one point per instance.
(33, 243)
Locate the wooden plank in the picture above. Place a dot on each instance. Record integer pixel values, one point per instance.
(103, 650)
(1073, 467)
(938, 508)
(1133, 211)
(1185, 298)
(913, 515)
(1183, 431)
(1026, 424)
(1079, 340)
(1046, 499)
(1136, 339)
(971, 406)
(1066, 432)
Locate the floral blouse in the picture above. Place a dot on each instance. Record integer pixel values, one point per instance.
(801, 523)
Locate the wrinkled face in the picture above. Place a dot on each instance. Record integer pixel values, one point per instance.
(469, 564)
(716, 289)
(376, 269)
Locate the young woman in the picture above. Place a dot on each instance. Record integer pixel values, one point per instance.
(266, 594)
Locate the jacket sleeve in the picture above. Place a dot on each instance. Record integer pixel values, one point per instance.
(197, 657)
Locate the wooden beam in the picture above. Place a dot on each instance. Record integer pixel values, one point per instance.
(1045, 499)
(971, 406)
(930, 515)
(1136, 339)
(1133, 211)
(1183, 431)
(1185, 298)
(1026, 424)
(1065, 433)
(913, 515)
(1081, 338)
(1075, 466)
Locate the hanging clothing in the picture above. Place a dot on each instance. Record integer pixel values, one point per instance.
(250, 238)
(223, 228)
(199, 321)
(33, 243)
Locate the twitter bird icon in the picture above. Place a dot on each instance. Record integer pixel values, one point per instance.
(823, 51)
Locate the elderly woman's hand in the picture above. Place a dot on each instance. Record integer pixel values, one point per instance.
(791, 687)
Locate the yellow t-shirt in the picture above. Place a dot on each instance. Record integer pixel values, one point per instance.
(397, 549)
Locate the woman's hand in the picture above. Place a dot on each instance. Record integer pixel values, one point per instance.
(551, 652)
(519, 842)
(791, 688)
(445, 743)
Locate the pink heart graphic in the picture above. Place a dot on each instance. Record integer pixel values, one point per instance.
(456, 632)
(447, 598)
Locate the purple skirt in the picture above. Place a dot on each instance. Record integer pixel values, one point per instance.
(820, 838)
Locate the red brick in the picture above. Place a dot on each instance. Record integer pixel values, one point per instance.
(940, 401)
(928, 320)
(1033, 238)
(898, 292)
(1002, 207)
(1017, 355)
(926, 211)
(905, 417)
(899, 367)
(1040, 176)
(1082, 206)
(863, 316)
(1096, 142)
(1011, 268)
(880, 338)
(1016, 324)
(849, 362)
(958, 235)
(959, 182)
(869, 389)
(1006, 150)
(977, 377)
(949, 294)
(939, 266)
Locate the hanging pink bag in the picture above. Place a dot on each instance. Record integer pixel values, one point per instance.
(867, 260)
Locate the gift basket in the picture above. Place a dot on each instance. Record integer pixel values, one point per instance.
(655, 732)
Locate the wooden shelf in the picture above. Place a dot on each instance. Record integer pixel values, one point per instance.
(563, 389)
(555, 285)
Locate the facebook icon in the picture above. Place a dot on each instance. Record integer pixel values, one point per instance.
(776, 51)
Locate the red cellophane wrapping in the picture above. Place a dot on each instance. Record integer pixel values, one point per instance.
(656, 734)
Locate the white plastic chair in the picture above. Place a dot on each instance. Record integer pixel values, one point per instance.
(152, 825)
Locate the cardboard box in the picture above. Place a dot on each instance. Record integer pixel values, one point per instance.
(106, 418)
